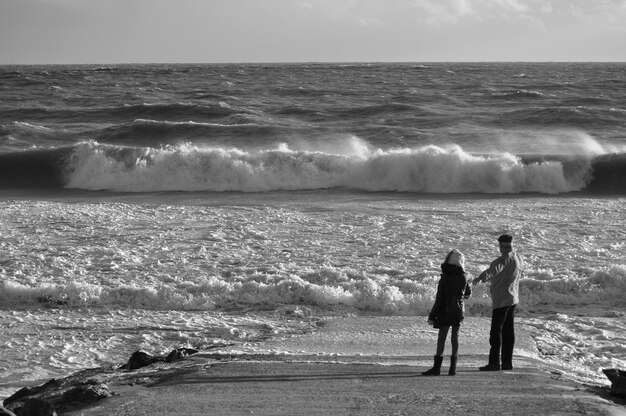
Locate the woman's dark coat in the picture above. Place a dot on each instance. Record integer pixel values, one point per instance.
(453, 287)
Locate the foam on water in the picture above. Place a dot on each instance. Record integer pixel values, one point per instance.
(581, 346)
(44, 343)
(163, 270)
(381, 256)
(353, 165)
(564, 142)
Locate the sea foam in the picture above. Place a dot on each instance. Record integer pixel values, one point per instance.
(431, 169)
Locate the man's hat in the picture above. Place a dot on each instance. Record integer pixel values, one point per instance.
(505, 239)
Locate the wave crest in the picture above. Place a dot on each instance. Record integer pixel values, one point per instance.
(326, 288)
(431, 169)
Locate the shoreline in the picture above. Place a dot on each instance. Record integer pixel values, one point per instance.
(277, 197)
(350, 365)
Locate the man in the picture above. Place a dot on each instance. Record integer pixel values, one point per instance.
(504, 273)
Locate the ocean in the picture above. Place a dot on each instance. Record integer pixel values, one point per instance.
(162, 206)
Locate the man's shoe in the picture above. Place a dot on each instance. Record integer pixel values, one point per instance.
(490, 367)
(507, 367)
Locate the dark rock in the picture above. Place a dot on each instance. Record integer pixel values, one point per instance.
(27, 391)
(85, 387)
(6, 412)
(618, 378)
(179, 354)
(36, 407)
(23, 392)
(140, 359)
(86, 394)
(66, 394)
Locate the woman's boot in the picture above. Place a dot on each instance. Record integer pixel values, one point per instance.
(452, 371)
(436, 370)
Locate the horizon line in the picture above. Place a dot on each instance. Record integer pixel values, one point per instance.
(320, 62)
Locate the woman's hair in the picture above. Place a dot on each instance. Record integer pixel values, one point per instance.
(455, 257)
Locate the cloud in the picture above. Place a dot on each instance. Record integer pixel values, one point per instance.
(546, 8)
(513, 5)
(302, 30)
(441, 12)
(539, 16)
(609, 14)
(361, 12)
(451, 12)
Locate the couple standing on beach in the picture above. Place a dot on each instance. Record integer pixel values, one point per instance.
(448, 311)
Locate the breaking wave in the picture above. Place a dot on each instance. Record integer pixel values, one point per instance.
(328, 289)
(352, 164)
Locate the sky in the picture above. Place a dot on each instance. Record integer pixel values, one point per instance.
(221, 31)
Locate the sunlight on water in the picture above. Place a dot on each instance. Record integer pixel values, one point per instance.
(89, 277)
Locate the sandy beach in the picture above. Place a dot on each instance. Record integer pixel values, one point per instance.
(353, 366)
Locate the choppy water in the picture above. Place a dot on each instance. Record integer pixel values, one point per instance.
(159, 206)
(491, 128)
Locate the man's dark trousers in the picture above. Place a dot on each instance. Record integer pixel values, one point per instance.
(502, 336)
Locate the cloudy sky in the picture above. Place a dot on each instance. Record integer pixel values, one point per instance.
(119, 31)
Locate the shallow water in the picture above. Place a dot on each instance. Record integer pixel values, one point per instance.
(88, 280)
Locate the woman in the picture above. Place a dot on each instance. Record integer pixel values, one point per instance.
(449, 310)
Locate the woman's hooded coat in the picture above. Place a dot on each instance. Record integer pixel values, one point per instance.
(453, 288)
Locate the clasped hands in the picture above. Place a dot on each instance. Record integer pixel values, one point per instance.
(481, 278)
